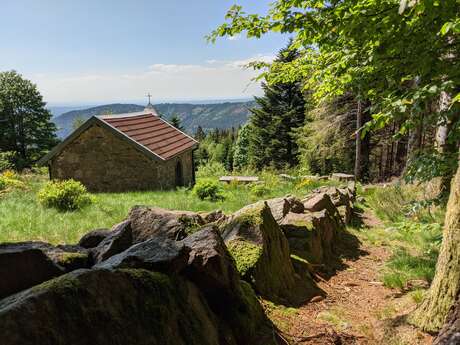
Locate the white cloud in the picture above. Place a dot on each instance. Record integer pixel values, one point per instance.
(212, 79)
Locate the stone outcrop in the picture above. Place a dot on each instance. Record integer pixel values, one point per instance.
(93, 238)
(172, 277)
(118, 240)
(159, 291)
(156, 254)
(149, 222)
(26, 264)
(262, 254)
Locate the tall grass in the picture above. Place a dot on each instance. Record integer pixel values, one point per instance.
(22, 218)
(413, 231)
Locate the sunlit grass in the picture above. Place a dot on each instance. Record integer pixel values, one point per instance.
(22, 218)
(412, 230)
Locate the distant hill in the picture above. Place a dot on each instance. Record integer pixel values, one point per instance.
(208, 116)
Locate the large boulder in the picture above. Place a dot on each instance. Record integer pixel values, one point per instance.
(93, 238)
(149, 222)
(104, 307)
(118, 240)
(262, 254)
(25, 264)
(157, 254)
(212, 269)
(312, 236)
(197, 298)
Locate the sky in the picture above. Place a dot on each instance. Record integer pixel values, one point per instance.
(100, 51)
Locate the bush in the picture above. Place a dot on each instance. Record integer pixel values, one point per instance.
(6, 160)
(259, 189)
(9, 178)
(211, 169)
(68, 195)
(208, 190)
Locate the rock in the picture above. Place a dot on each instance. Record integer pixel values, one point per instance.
(210, 265)
(103, 307)
(318, 202)
(213, 217)
(157, 254)
(343, 177)
(23, 265)
(119, 239)
(262, 255)
(70, 257)
(280, 207)
(312, 236)
(296, 205)
(93, 238)
(149, 222)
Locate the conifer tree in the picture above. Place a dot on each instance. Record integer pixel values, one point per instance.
(176, 122)
(274, 120)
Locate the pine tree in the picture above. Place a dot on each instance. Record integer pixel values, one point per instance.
(278, 114)
(240, 155)
(200, 134)
(176, 122)
(26, 128)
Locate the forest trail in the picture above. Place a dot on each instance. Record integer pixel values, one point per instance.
(357, 309)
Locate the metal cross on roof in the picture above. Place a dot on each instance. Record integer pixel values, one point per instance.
(149, 96)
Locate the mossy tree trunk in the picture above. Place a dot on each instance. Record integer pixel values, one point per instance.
(432, 313)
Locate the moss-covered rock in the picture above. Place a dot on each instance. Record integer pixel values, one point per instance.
(109, 307)
(262, 255)
(246, 255)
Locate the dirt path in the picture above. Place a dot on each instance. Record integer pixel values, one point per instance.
(357, 309)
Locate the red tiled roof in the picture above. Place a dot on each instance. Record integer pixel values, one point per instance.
(151, 132)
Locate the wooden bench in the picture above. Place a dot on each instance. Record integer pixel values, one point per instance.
(242, 179)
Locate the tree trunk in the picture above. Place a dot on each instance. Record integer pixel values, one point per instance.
(359, 121)
(431, 314)
(443, 145)
(450, 332)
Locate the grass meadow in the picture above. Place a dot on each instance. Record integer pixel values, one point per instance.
(22, 218)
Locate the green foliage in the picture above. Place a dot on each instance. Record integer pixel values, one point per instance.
(211, 169)
(326, 142)
(208, 190)
(25, 123)
(398, 59)
(259, 190)
(429, 164)
(10, 179)
(403, 267)
(176, 122)
(7, 160)
(240, 154)
(67, 195)
(272, 125)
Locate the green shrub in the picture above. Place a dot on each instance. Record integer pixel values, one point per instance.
(68, 195)
(6, 160)
(10, 179)
(208, 190)
(259, 189)
(211, 169)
